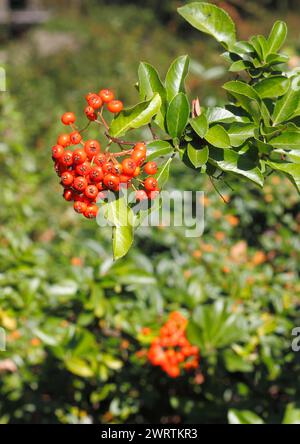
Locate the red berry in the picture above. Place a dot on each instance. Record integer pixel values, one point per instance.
(95, 101)
(90, 113)
(68, 118)
(140, 146)
(79, 156)
(150, 168)
(141, 195)
(80, 207)
(92, 148)
(91, 211)
(138, 157)
(80, 183)
(67, 158)
(117, 169)
(100, 159)
(91, 192)
(59, 168)
(67, 178)
(57, 151)
(96, 174)
(115, 106)
(112, 182)
(129, 167)
(99, 185)
(88, 96)
(106, 95)
(124, 179)
(137, 172)
(64, 140)
(75, 138)
(107, 167)
(68, 195)
(83, 169)
(150, 184)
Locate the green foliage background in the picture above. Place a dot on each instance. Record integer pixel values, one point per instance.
(73, 317)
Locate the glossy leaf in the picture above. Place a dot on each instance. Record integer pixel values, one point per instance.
(292, 170)
(233, 162)
(243, 417)
(135, 117)
(272, 87)
(178, 115)
(175, 78)
(121, 218)
(198, 157)
(287, 140)
(218, 114)
(217, 136)
(200, 125)
(286, 105)
(149, 85)
(158, 148)
(240, 132)
(163, 174)
(236, 86)
(277, 36)
(211, 20)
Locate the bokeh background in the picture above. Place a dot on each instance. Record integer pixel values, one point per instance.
(74, 319)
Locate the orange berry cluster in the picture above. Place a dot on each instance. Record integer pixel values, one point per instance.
(86, 173)
(171, 350)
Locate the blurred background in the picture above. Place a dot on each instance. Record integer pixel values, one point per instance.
(74, 319)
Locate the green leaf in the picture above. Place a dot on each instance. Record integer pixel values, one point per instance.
(243, 417)
(214, 326)
(122, 241)
(286, 105)
(149, 82)
(240, 132)
(198, 157)
(264, 45)
(178, 115)
(277, 36)
(200, 125)
(292, 170)
(121, 217)
(291, 415)
(79, 367)
(236, 86)
(163, 174)
(175, 79)
(233, 162)
(135, 117)
(276, 59)
(239, 65)
(217, 136)
(236, 363)
(287, 140)
(149, 85)
(211, 20)
(218, 114)
(272, 87)
(158, 148)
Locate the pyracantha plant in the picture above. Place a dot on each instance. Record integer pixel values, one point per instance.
(256, 133)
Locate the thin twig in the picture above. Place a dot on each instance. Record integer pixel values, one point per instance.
(103, 121)
(120, 141)
(216, 189)
(152, 132)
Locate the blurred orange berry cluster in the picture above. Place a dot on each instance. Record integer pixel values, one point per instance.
(171, 350)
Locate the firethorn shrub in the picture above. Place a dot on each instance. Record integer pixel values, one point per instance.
(253, 135)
